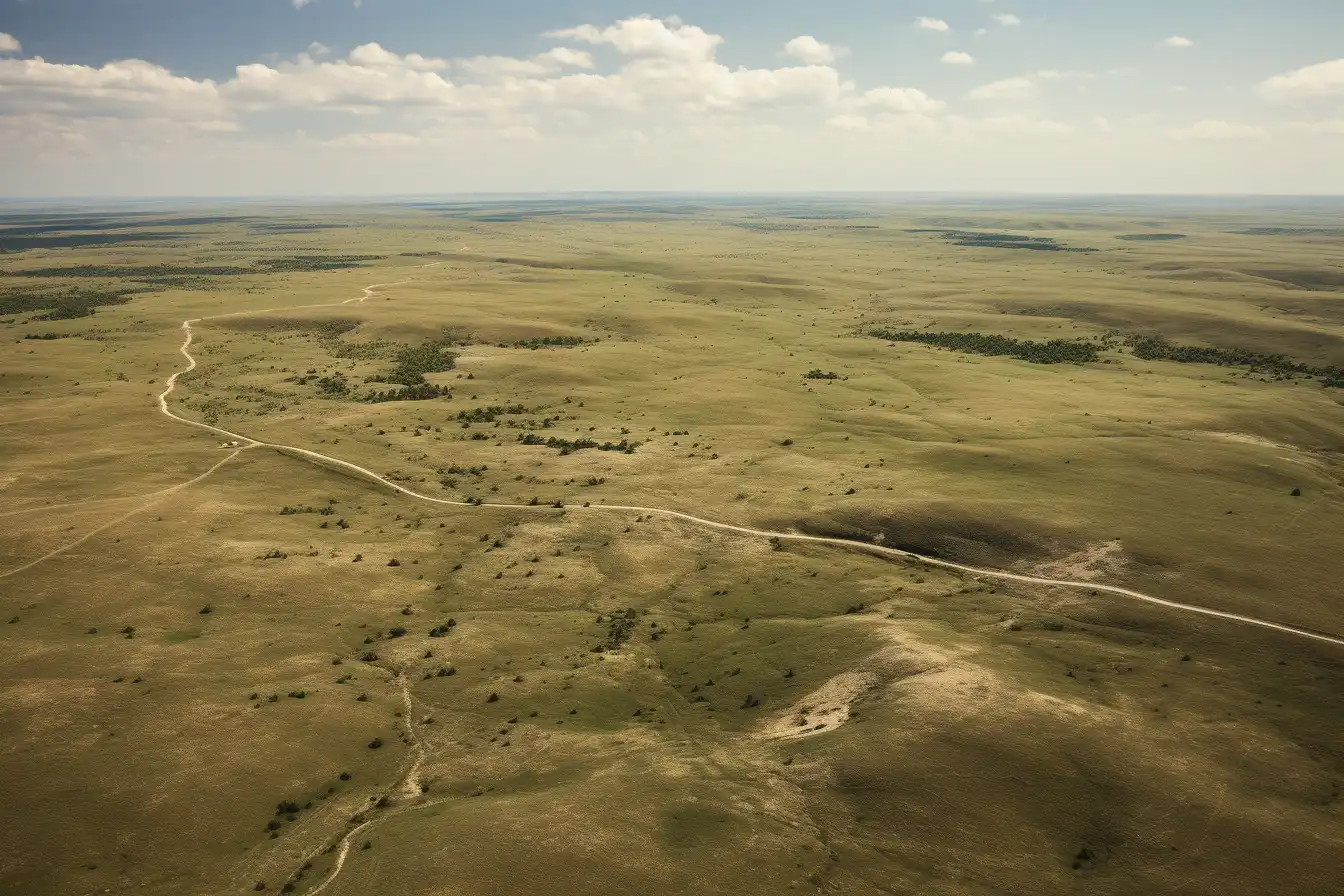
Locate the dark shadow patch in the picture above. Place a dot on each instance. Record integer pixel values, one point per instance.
(997, 538)
(12, 243)
(1150, 237)
(1304, 278)
(329, 327)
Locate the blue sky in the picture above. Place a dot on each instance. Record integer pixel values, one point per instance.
(163, 97)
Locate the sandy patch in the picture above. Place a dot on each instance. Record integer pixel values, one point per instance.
(825, 709)
(1099, 560)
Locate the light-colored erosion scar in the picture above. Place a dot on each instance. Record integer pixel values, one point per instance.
(1102, 559)
(825, 709)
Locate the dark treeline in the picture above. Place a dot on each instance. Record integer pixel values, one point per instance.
(61, 304)
(550, 342)
(287, 264)
(569, 446)
(1158, 348)
(1056, 351)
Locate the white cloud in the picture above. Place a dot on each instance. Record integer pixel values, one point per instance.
(981, 32)
(647, 36)
(1014, 89)
(300, 4)
(317, 48)
(953, 57)
(930, 24)
(542, 64)
(899, 100)
(1178, 42)
(1024, 87)
(9, 43)
(1007, 20)
(131, 88)
(807, 48)
(1213, 129)
(1325, 79)
(374, 56)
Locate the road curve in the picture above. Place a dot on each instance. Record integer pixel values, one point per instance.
(877, 549)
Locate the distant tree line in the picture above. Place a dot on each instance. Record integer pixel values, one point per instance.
(1055, 351)
(551, 342)
(1159, 348)
(61, 304)
(569, 446)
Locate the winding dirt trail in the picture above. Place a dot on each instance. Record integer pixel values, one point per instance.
(880, 550)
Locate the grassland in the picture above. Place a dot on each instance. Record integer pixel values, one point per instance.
(196, 668)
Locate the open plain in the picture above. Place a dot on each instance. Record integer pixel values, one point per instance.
(408, 582)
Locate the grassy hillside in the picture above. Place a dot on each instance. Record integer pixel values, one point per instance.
(281, 669)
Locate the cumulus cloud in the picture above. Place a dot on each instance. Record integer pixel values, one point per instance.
(1178, 42)
(931, 24)
(647, 36)
(1325, 79)
(952, 57)
(1007, 20)
(1014, 89)
(1024, 87)
(130, 88)
(542, 64)
(899, 100)
(807, 48)
(374, 56)
(666, 74)
(9, 43)
(1214, 129)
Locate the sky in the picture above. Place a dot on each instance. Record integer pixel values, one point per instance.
(433, 97)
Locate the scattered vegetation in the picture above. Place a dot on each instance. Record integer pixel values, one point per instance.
(569, 446)
(66, 303)
(490, 414)
(551, 342)
(413, 362)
